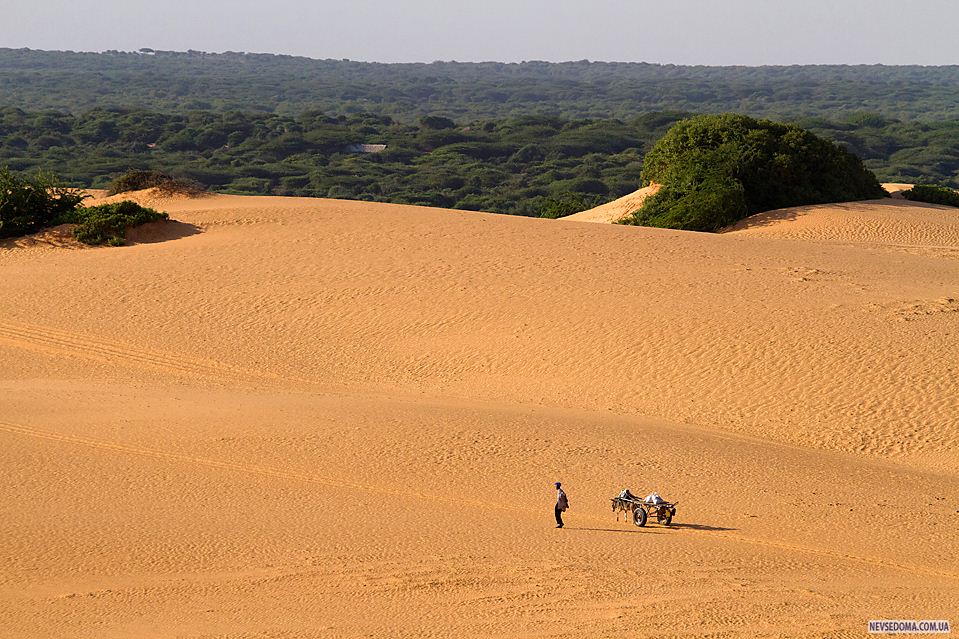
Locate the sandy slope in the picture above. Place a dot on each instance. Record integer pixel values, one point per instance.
(896, 188)
(923, 228)
(614, 211)
(309, 418)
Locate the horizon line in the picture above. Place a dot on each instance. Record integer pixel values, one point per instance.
(149, 51)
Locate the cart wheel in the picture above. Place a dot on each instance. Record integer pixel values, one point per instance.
(639, 517)
(664, 515)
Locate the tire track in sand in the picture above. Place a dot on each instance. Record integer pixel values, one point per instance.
(268, 471)
(61, 342)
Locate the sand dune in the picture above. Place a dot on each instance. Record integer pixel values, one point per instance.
(54, 238)
(614, 211)
(923, 227)
(896, 189)
(307, 418)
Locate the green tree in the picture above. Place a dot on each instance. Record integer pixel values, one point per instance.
(718, 169)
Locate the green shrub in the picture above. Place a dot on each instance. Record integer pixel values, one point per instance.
(932, 194)
(137, 180)
(436, 122)
(108, 223)
(589, 185)
(712, 206)
(29, 204)
(249, 186)
(717, 169)
(564, 204)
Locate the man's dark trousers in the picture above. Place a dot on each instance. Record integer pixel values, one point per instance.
(559, 516)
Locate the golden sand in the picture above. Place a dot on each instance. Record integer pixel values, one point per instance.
(285, 417)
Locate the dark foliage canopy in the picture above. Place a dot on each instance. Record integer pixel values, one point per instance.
(511, 165)
(932, 194)
(717, 169)
(172, 82)
(505, 166)
(511, 138)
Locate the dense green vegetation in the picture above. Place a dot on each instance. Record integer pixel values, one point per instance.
(108, 223)
(532, 138)
(718, 169)
(508, 166)
(522, 165)
(27, 204)
(897, 151)
(172, 82)
(932, 194)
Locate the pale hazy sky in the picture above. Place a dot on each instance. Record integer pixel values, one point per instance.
(673, 31)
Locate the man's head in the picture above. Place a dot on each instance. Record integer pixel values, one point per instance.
(558, 484)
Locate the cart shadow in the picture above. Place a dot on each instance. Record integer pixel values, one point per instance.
(702, 527)
(644, 531)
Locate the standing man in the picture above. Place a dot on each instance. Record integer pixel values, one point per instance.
(562, 503)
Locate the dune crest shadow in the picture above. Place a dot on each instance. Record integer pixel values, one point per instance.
(767, 218)
(778, 216)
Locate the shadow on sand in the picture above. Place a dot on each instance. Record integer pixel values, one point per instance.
(656, 530)
(770, 218)
(614, 530)
(701, 527)
(154, 232)
(62, 236)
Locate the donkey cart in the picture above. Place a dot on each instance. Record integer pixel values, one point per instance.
(640, 511)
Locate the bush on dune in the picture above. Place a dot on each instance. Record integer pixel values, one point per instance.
(718, 169)
(137, 180)
(108, 223)
(932, 194)
(28, 204)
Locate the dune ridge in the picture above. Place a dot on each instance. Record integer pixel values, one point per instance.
(893, 222)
